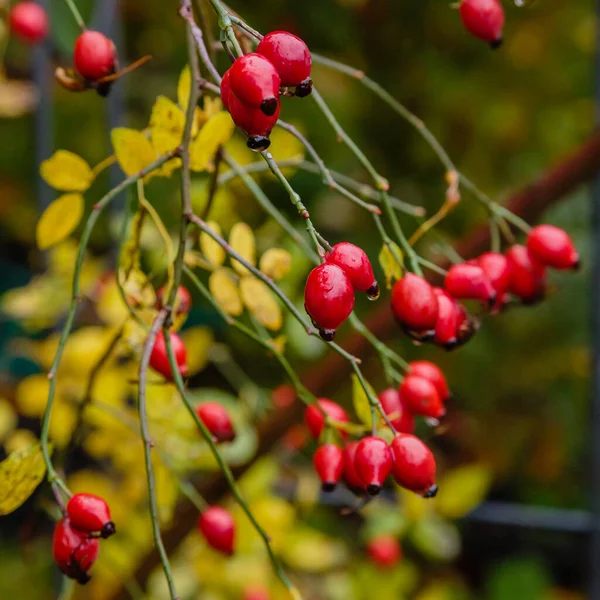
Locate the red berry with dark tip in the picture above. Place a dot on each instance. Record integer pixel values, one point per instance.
(255, 82)
(552, 247)
(414, 303)
(357, 266)
(420, 396)
(289, 55)
(73, 551)
(373, 463)
(159, 359)
(430, 371)
(315, 420)
(351, 478)
(394, 408)
(94, 56)
(449, 315)
(329, 465)
(466, 281)
(29, 21)
(414, 465)
(226, 89)
(218, 528)
(328, 298)
(497, 269)
(253, 122)
(90, 514)
(483, 19)
(384, 550)
(528, 277)
(183, 300)
(217, 420)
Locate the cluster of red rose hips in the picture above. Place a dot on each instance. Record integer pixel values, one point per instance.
(484, 19)
(75, 543)
(251, 87)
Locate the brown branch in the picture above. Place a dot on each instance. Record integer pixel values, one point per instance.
(528, 202)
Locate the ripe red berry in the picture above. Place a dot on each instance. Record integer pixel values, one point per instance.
(29, 21)
(421, 397)
(253, 122)
(384, 550)
(469, 281)
(430, 371)
(291, 58)
(256, 593)
(217, 421)
(95, 55)
(497, 269)
(183, 300)
(351, 478)
(357, 266)
(415, 305)
(218, 528)
(449, 317)
(73, 551)
(314, 417)
(414, 465)
(255, 82)
(394, 408)
(329, 464)
(552, 247)
(528, 279)
(328, 298)
(90, 514)
(226, 89)
(159, 359)
(484, 19)
(373, 463)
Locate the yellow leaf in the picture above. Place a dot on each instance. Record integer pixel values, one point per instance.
(210, 248)
(312, 551)
(32, 395)
(362, 408)
(462, 490)
(198, 341)
(67, 172)
(20, 439)
(8, 419)
(225, 292)
(241, 239)
(184, 87)
(391, 268)
(59, 220)
(260, 301)
(276, 263)
(215, 132)
(134, 151)
(167, 122)
(20, 474)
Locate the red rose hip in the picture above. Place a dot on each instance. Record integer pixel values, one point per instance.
(315, 421)
(357, 266)
(226, 89)
(218, 528)
(415, 305)
(73, 551)
(253, 122)
(159, 359)
(414, 465)
(430, 371)
(94, 56)
(29, 21)
(351, 478)
(497, 269)
(329, 465)
(394, 408)
(90, 514)
(421, 397)
(217, 420)
(552, 247)
(384, 550)
(469, 281)
(483, 19)
(528, 277)
(328, 298)
(255, 82)
(373, 463)
(449, 315)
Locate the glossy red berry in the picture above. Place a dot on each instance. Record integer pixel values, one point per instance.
(159, 359)
(484, 19)
(528, 277)
(328, 298)
(373, 463)
(449, 317)
(415, 305)
(394, 408)
(183, 300)
(226, 89)
(314, 417)
(218, 528)
(94, 56)
(466, 281)
(420, 396)
(329, 465)
(414, 465)
(351, 478)
(430, 371)
(357, 266)
(255, 82)
(217, 421)
(255, 593)
(90, 514)
(497, 269)
(291, 58)
(552, 247)
(384, 550)
(29, 21)
(73, 551)
(253, 122)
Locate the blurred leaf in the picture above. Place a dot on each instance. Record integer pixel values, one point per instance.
(242, 240)
(8, 418)
(436, 539)
(166, 125)
(134, 151)
(360, 401)
(311, 551)
(391, 269)
(214, 133)
(198, 341)
(260, 301)
(463, 489)
(276, 263)
(59, 220)
(226, 292)
(67, 172)
(20, 474)
(211, 249)
(383, 519)
(184, 87)
(259, 479)
(518, 578)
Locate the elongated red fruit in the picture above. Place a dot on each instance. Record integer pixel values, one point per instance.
(357, 266)
(466, 281)
(315, 421)
(73, 551)
(449, 315)
(414, 465)
(373, 463)
(497, 269)
(255, 82)
(29, 21)
(89, 513)
(351, 478)
(415, 305)
(483, 19)
(218, 528)
(421, 397)
(528, 277)
(253, 122)
(430, 371)
(94, 56)
(329, 465)
(159, 359)
(552, 247)
(217, 421)
(290, 56)
(394, 408)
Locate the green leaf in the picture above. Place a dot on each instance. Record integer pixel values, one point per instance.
(362, 408)
(391, 268)
(436, 539)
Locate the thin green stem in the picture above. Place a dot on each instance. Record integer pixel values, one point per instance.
(76, 14)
